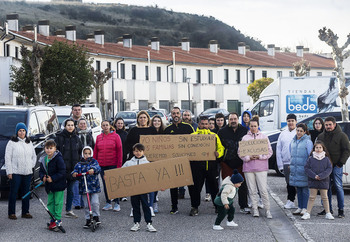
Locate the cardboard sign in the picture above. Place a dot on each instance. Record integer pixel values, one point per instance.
(193, 146)
(151, 177)
(254, 147)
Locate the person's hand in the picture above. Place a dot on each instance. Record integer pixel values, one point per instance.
(74, 174)
(49, 179)
(227, 207)
(91, 171)
(9, 176)
(104, 177)
(317, 177)
(254, 157)
(44, 179)
(216, 154)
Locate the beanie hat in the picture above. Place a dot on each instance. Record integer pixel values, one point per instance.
(21, 126)
(291, 116)
(236, 177)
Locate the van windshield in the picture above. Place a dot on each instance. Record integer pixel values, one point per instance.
(8, 122)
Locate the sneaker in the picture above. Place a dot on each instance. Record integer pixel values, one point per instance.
(323, 212)
(97, 220)
(116, 207)
(150, 228)
(268, 214)
(245, 210)
(194, 212)
(303, 211)
(207, 197)
(132, 213)
(231, 224)
(108, 206)
(217, 227)
(306, 216)
(136, 227)
(174, 210)
(88, 224)
(341, 213)
(256, 213)
(297, 212)
(329, 216)
(155, 207)
(70, 214)
(157, 198)
(289, 204)
(260, 204)
(52, 225)
(152, 212)
(124, 199)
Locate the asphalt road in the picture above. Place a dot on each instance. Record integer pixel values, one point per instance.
(181, 227)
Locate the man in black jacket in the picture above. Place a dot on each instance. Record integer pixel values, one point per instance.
(230, 135)
(177, 127)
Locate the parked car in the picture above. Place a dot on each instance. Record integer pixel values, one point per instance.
(129, 118)
(42, 125)
(211, 112)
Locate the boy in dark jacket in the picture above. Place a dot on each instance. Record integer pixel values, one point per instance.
(53, 174)
(89, 165)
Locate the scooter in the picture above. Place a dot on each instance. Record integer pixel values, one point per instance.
(93, 226)
(58, 224)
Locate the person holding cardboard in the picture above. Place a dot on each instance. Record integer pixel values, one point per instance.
(204, 170)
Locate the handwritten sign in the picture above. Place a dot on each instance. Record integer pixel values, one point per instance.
(254, 147)
(194, 147)
(145, 178)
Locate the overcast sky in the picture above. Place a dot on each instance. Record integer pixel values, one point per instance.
(285, 23)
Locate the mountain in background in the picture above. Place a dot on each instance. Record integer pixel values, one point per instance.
(142, 22)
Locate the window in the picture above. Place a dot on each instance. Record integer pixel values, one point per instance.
(335, 74)
(8, 50)
(122, 71)
(16, 52)
(98, 65)
(198, 76)
(225, 76)
(109, 66)
(33, 128)
(43, 121)
(347, 73)
(252, 76)
(184, 75)
(279, 73)
(171, 74)
(291, 74)
(143, 104)
(133, 72)
(146, 73)
(53, 124)
(264, 74)
(210, 76)
(264, 108)
(159, 74)
(238, 76)
(307, 73)
(319, 73)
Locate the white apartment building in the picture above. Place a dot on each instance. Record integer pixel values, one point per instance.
(164, 76)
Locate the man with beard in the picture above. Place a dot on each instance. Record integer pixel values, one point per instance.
(186, 117)
(177, 127)
(230, 135)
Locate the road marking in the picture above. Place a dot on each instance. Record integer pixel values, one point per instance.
(345, 224)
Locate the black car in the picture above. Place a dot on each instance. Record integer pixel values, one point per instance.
(42, 124)
(129, 118)
(211, 112)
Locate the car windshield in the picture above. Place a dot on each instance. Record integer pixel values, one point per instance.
(211, 110)
(9, 120)
(62, 118)
(126, 115)
(152, 113)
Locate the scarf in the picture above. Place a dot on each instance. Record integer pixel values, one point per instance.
(319, 156)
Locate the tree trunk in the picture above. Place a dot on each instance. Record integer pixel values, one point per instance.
(343, 91)
(37, 85)
(97, 97)
(103, 102)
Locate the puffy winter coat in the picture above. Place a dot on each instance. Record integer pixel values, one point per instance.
(108, 150)
(282, 148)
(136, 161)
(20, 157)
(70, 146)
(56, 169)
(86, 138)
(228, 193)
(261, 164)
(299, 151)
(322, 168)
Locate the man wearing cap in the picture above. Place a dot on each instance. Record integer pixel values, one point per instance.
(283, 156)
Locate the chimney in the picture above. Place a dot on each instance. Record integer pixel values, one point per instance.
(99, 37)
(306, 50)
(127, 40)
(213, 46)
(60, 33)
(71, 33)
(28, 28)
(247, 48)
(12, 20)
(120, 40)
(185, 44)
(300, 51)
(278, 49)
(155, 44)
(241, 48)
(90, 37)
(271, 50)
(44, 27)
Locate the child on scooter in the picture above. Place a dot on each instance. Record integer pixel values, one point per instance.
(53, 173)
(91, 167)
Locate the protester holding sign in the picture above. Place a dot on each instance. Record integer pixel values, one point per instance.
(256, 165)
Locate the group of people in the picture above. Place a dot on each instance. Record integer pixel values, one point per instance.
(74, 151)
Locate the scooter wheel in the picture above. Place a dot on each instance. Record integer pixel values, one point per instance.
(93, 226)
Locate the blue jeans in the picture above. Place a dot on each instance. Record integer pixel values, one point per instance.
(303, 196)
(77, 199)
(17, 182)
(102, 173)
(151, 198)
(70, 195)
(336, 180)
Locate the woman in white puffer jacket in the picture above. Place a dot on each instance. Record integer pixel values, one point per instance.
(20, 159)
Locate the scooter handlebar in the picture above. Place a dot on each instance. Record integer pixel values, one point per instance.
(33, 189)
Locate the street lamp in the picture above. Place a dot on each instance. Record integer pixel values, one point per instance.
(188, 80)
(112, 72)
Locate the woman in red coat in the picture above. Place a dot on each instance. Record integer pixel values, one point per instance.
(108, 152)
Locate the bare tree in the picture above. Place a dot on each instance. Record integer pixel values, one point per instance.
(301, 67)
(338, 56)
(35, 60)
(100, 78)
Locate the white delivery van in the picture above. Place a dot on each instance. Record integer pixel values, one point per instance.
(303, 96)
